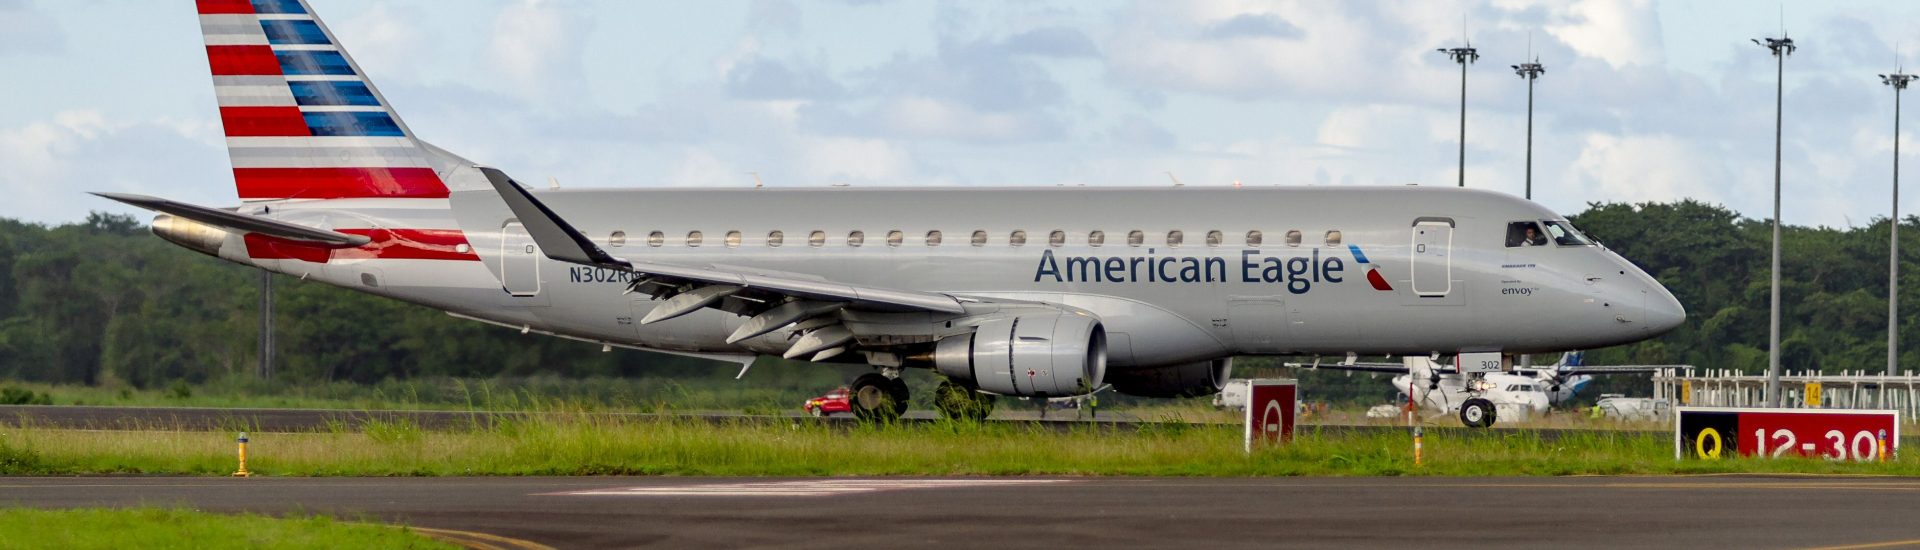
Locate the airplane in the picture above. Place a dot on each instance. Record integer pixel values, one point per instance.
(1004, 291)
(1478, 398)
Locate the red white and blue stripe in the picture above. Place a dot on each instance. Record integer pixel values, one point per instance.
(303, 123)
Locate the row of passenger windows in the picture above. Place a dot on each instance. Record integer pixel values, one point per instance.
(980, 238)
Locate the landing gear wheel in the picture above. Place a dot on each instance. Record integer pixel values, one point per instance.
(1477, 413)
(875, 397)
(957, 402)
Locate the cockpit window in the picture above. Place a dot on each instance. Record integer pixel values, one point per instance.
(1525, 234)
(1566, 235)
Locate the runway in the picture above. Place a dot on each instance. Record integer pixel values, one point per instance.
(839, 513)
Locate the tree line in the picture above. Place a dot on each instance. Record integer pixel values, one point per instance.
(103, 301)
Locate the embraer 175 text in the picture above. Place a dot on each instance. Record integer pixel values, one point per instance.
(1041, 292)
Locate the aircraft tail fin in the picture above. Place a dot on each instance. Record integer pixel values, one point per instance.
(302, 120)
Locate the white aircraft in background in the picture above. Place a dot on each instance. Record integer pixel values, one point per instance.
(1479, 398)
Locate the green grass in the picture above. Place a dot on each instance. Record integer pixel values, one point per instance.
(162, 528)
(584, 445)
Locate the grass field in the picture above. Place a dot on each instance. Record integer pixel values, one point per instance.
(563, 445)
(162, 528)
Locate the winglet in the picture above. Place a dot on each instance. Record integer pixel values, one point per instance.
(241, 222)
(557, 239)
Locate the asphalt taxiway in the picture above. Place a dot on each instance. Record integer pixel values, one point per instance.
(839, 513)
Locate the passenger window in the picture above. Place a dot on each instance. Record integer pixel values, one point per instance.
(1214, 237)
(1254, 237)
(1097, 238)
(894, 237)
(1018, 238)
(656, 238)
(1333, 238)
(693, 238)
(733, 239)
(1525, 234)
(1293, 237)
(1136, 237)
(1174, 237)
(1566, 235)
(856, 238)
(979, 238)
(933, 238)
(617, 239)
(776, 238)
(817, 239)
(1056, 238)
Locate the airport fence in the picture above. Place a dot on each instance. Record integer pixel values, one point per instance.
(1800, 389)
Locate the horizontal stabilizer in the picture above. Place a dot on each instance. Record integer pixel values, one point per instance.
(245, 223)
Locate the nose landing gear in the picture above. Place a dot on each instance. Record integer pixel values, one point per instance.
(1477, 413)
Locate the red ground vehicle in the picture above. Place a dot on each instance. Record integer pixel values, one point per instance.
(835, 401)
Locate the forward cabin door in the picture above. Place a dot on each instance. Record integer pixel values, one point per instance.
(519, 261)
(1432, 257)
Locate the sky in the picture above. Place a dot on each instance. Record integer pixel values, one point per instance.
(1641, 101)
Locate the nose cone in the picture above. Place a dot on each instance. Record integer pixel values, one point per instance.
(1664, 312)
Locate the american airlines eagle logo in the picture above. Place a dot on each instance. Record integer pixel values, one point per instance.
(1373, 275)
(1299, 272)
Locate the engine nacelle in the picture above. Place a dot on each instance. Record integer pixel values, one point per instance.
(1188, 380)
(1034, 355)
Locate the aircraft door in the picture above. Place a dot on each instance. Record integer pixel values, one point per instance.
(1432, 257)
(1259, 323)
(519, 261)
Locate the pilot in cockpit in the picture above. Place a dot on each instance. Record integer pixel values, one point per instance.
(1525, 234)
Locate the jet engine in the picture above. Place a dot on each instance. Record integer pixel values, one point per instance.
(1031, 355)
(1188, 380)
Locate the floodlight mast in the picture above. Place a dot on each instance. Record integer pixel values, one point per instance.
(1464, 56)
(1531, 72)
(1781, 47)
(1899, 82)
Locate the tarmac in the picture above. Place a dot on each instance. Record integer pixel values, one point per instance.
(1051, 512)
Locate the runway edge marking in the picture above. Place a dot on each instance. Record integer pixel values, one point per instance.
(806, 488)
(477, 540)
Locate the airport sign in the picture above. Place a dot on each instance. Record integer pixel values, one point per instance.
(1270, 412)
(1712, 433)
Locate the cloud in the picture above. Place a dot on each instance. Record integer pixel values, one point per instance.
(25, 29)
(759, 78)
(51, 162)
(1647, 168)
(536, 47)
(1250, 25)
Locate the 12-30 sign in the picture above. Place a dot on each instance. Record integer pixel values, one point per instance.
(1712, 433)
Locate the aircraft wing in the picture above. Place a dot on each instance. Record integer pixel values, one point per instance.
(1382, 368)
(244, 223)
(774, 300)
(1618, 369)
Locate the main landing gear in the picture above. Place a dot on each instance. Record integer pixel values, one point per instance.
(957, 402)
(876, 397)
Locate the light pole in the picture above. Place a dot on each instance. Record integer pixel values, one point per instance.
(1464, 56)
(1899, 83)
(266, 324)
(1531, 72)
(1781, 47)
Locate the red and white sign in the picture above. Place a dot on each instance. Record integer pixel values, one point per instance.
(1835, 434)
(1270, 411)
